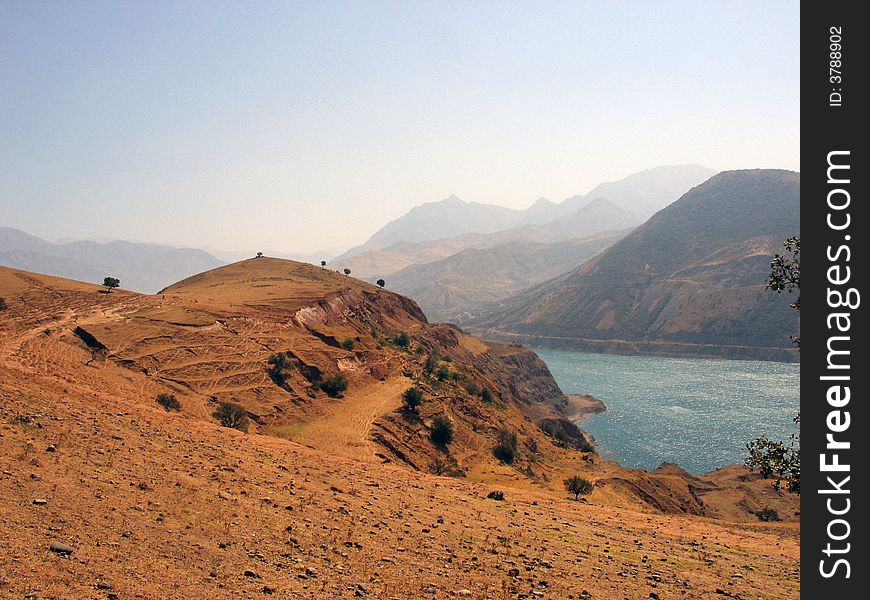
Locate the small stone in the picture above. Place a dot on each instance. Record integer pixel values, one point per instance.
(513, 572)
(654, 596)
(40, 501)
(463, 593)
(61, 548)
(495, 495)
(104, 585)
(269, 589)
(250, 573)
(51, 448)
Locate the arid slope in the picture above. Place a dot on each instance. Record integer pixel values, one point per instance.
(159, 504)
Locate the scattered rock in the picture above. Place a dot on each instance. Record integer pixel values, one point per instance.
(513, 572)
(495, 495)
(40, 501)
(269, 589)
(252, 574)
(51, 448)
(61, 548)
(654, 596)
(104, 585)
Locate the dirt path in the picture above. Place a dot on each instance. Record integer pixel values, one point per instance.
(344, 427)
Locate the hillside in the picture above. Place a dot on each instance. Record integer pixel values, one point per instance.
(324, 496)
(592, 218)
(472, 278)
(140, 267)
(690, 280)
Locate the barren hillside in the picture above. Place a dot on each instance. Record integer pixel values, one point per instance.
(325, 497)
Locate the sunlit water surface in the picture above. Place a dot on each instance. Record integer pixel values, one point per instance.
(698, 413)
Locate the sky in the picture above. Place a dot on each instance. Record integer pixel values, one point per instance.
(299, 126)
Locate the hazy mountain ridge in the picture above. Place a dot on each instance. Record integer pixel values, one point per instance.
(140, 267)
(640, 193)
(595, 217)
(690, 280)
(472, 278)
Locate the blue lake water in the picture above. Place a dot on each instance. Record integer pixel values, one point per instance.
(698, 413)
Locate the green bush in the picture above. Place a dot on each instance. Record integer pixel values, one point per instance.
(767, 515)
(348, 344)
(168, 402)
(578, 486)
(412, 398)
(402, 340)
(506, 449)
(334, 386)
(442, 431)
(472, 388)
(231, 415)
(280, 367)
(486, 396)
(442, 373)
(431, 363)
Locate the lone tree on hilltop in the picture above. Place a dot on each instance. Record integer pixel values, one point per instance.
(322, 263)
(111, 282)
(578, 486)
(347, 271)
(259, 255)
(231, 415)
(381, 282)
(412, 398)
(774, 459)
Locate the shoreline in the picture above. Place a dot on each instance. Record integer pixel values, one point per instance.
(583, 405)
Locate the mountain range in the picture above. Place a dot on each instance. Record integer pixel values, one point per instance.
(691, 280)
(640, 194)
(467, 280)
(140, 267)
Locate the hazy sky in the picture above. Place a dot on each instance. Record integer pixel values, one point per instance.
(297, 126)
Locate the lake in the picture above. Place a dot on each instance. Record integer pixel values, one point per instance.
(698, 413)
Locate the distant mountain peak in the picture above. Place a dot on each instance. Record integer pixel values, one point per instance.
(541, 204)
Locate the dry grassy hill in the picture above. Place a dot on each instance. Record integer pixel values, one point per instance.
(303, 505)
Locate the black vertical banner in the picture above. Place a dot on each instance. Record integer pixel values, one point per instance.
(835, 421)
